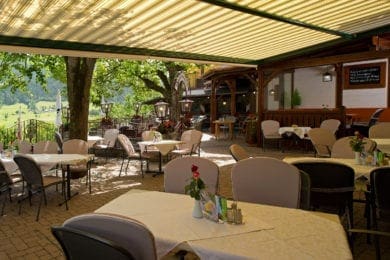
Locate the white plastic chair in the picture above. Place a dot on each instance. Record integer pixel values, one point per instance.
(78, 146)
(24, 146)
(130, 153)
(178, 172)
(270, 131)
(45, 147)
(331, 124)
(380, 130)
(322, 140)
(266, 180)
(191, 143)
(342, 149)
(109, 140)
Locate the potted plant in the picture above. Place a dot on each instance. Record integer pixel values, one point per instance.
(296, 98)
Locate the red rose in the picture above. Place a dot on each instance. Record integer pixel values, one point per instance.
(194, 168)
(195, 175)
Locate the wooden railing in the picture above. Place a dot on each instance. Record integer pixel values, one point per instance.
(306, 117)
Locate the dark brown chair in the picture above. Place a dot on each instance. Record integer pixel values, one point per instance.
(331, 187)
(379, 201)
(35, 182)
(363, 127)
(78, 244)
(5, 188)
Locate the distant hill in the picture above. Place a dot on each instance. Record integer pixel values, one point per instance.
(34, 94)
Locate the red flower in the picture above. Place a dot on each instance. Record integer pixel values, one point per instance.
(196, 184)
(194, 168)
(195, 175)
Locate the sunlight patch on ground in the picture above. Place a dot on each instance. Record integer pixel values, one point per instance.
(207, 137)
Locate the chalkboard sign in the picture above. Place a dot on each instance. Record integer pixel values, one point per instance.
(365, 76)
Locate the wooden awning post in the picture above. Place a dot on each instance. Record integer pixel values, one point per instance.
(260, 103)
(213, 105)
(339, 84)
(233, 88)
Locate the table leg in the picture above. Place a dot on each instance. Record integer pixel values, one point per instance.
(159, 165)
(216, 131)
(68, 190)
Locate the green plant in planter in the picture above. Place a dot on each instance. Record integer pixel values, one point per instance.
(296, 98)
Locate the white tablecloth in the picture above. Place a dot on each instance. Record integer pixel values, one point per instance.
(383, 144)
(360, 170)
(163, 146)
(92, 139)
(268, 233)
(300, 131)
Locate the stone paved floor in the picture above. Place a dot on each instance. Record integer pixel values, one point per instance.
(21, 237)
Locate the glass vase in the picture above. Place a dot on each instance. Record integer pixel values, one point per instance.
(357, 157)
(197, 210)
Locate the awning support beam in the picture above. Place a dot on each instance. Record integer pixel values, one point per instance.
(255, 12)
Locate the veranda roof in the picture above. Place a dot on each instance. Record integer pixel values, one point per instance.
(236, 31)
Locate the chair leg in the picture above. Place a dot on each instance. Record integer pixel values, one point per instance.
(40, 204)
(89, 177)
(3, 207)
(44, 196)
(65, 195)
(9, 194)
(127, 165)
(123, 160)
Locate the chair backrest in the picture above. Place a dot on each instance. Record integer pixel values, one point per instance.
(342, 149)
(375, 117)
(45, 147)
(148, 135)
(267, 181)
(177, 174)
(331, 124)
(380, 183)
(270, 127)
(29, 169)
(305, 191)
(75, 146)
(322, 140)
(191, 140)
(126, 144)
(59, 141)
(332, 184)
(132, 235)
(238, 152)
(24, 146)
(380, 130)
(78, 244)
(5, 180)
(110, 136)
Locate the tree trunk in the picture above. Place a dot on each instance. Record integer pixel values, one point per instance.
(79, 73)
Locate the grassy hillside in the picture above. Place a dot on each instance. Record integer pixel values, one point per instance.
(46, 111)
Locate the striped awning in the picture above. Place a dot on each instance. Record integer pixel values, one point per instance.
(236, 31)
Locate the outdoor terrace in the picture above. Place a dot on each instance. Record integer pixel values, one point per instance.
(21, 237)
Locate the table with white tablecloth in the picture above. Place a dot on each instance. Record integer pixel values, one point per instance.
(51, 159)
(268, 232)
(163, 147)
(383, 144)
(300, 131)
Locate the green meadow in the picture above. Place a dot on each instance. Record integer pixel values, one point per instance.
(45, 111)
